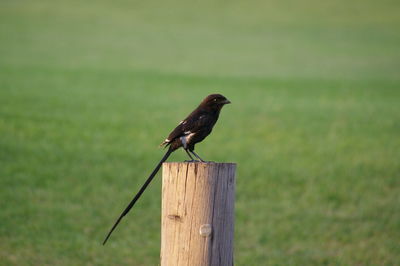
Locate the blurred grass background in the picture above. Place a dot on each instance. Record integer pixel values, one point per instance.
(88, 89)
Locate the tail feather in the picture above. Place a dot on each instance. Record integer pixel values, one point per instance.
(165, 143)
(137, 196)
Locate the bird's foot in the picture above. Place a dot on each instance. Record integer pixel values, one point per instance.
(191, 161)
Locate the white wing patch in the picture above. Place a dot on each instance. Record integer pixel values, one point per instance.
(185, 139)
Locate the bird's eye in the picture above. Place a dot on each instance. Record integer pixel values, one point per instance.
(215, 100)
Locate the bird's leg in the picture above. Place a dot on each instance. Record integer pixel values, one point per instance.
(192, 160)
(197, 156)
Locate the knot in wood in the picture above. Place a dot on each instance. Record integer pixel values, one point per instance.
(205, 230)
(174, 217)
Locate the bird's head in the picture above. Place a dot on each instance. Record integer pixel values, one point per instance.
(215, 101)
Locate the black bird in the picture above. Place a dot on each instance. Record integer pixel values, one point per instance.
(193, 129)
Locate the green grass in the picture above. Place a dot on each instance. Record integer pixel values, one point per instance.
(88, 89)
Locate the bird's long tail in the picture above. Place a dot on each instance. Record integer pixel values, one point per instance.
(137, 196)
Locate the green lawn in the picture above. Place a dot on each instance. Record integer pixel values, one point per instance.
(88, 89)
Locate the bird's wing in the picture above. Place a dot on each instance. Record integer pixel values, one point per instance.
(197, 123)
(191, 124)
(176, 133)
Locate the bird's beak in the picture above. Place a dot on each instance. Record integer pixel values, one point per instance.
(227, 101)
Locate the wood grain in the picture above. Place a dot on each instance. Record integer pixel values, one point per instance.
(197, 214)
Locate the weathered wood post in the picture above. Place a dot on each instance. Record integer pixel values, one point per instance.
(197, 214)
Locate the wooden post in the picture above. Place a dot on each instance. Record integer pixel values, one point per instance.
(197, 214)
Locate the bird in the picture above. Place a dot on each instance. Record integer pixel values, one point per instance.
(190, 131)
